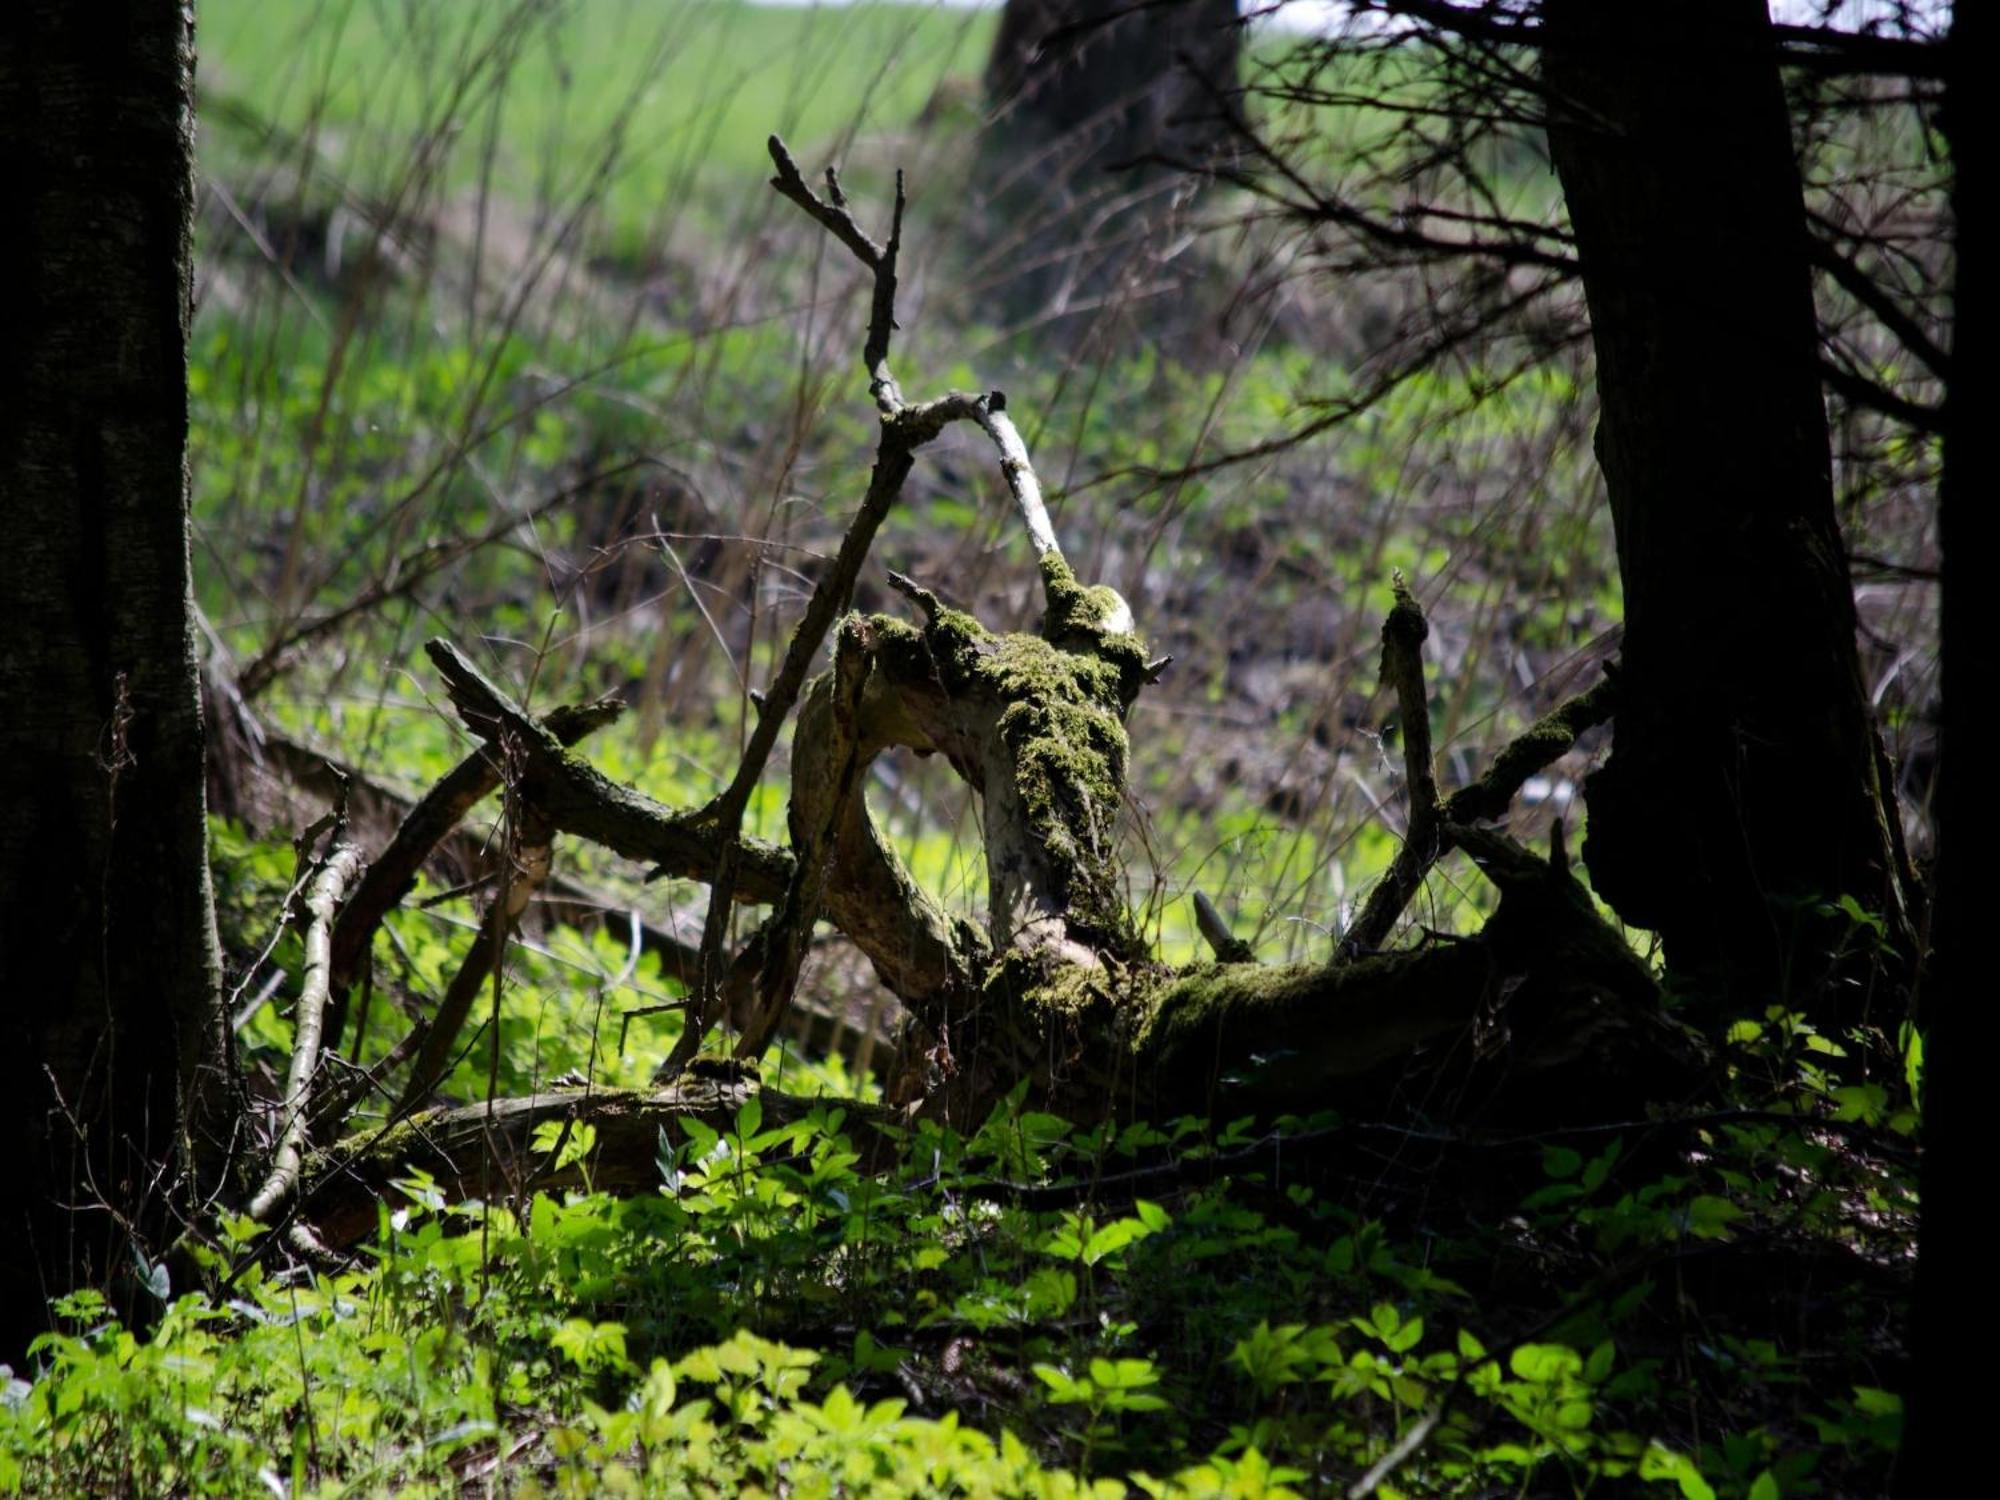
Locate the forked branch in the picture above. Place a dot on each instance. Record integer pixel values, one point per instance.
(838, 220)
(1436, 828)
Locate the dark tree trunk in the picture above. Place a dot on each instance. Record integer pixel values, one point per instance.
(1946, 1415)
(116, 1085)
(1125, 83)
(1098, 102)
(1743, 782)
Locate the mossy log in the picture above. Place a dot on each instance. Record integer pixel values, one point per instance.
(1544, 1016)
(1545, 1010)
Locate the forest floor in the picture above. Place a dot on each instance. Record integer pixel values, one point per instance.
(510, 274)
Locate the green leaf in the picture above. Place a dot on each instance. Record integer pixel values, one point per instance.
(1561, 1161)
(1545, 1364)
(1709, 1217)
(1064, 1388)
(1876, 1402)
(1601, 1165)
(1866, 1102)
(1662, 1462)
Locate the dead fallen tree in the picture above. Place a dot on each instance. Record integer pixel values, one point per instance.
(1543, 1015)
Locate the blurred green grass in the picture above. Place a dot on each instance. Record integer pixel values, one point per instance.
(692, 86)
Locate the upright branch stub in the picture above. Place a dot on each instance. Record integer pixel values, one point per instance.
(1436, 826)
(1403, 636)
(833, 213)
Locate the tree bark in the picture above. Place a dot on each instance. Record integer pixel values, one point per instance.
(1098, 103)
(1946, 1414)
(118, 1085)
(1743, 787)
(1124, 83)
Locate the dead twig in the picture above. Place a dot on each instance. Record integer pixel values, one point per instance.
(322, 900)
(1403, 636)
(394, 872)
(528, 863)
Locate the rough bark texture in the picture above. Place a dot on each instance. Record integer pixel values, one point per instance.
(1947, 1416)
(1742, 785)
(117, 1069)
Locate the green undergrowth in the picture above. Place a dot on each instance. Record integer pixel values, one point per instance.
(1038, 1309)
(1013, 1314)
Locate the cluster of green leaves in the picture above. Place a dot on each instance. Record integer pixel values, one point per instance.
(763, 1321)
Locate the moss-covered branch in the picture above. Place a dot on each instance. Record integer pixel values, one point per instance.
(1540, 746)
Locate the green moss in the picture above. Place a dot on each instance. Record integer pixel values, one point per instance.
(1190, 1007)
(1064, 593)
(1063, 725)
(1062, 697)
(947, 650)
(398, 1141)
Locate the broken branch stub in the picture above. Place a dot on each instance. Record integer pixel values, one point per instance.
(1434, 829)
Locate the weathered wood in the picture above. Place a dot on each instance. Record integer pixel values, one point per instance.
(578, 799)
(339, 869)
(391, 875)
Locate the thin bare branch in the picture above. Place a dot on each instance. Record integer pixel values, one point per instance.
(528, 860)
(1019, 472)
(322, 899)
(834, 215)
(390, 877)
